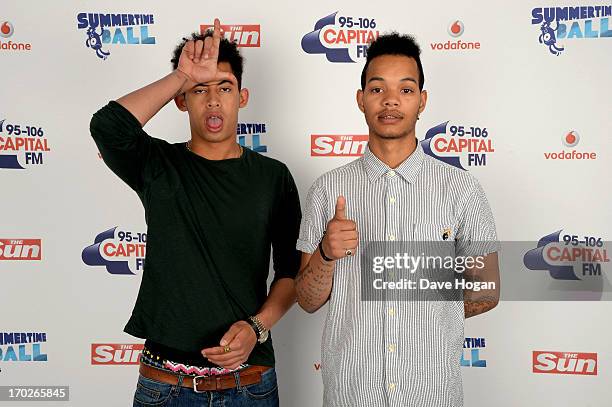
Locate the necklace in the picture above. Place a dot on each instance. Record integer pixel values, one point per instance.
(188, 145)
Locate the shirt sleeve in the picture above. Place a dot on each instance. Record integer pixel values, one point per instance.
(287, 217)
(314, 220)
(476, 234)
(125, 147)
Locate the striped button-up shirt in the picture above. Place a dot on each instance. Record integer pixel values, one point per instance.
(395, 353)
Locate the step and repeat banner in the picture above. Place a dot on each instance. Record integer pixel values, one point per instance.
(519, 96)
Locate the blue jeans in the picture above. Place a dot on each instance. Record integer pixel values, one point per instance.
(153, 393)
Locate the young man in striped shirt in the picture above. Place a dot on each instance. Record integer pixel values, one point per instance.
(392, 352)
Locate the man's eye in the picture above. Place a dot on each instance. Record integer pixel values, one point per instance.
(376, 90)
(198, 91)
(226, 90)
(407, 90)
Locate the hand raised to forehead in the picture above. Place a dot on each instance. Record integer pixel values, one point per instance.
(199, 59)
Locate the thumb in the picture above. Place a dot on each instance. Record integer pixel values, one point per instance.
(340, 208)
(229, 335)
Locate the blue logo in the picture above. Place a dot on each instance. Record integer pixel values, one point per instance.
(451, 144)
(120, 251)
(471, 356)
(22, 346)
(122, 29)
(568, 257)
(586, 22)
(252, 132)
(341, 38)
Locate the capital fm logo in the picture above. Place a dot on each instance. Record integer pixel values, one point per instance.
(6, 31)
(459, 145)
(20, 249)
(104, 30)
(569, 256)
(120, 251)
(251, 135)
(571, 23)
(244, 35)
(571, 140)
(574, 363)
(22, 145)
(23, 346)
(455, 29)
(341, 37)
(472, 356)
(334, 145)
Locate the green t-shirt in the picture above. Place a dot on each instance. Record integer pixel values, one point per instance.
(210, 226)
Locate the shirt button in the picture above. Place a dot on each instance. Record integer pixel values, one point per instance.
(392, 348)
(390, 173)
(392, 237)
(392, 312)
(392, 200)
(391, 386)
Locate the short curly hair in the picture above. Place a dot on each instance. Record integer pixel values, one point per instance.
(228, 52)
(394, 44)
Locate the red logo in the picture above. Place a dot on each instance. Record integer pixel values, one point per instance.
(242, 35)
(336, 145)
(565, 363)
(20, 249)
(116, 353)
(6, 29)
(455, 29)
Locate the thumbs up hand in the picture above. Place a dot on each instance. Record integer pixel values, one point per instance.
(341, 238)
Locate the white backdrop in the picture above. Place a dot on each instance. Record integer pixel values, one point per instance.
(527, 98)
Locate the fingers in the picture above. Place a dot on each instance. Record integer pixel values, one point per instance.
(340, 213)
(216, 39)
(189, 49)
(198, 47)
(207, 47)
(228, 338)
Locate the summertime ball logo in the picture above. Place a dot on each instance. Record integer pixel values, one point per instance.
(341, 38)
(579, 22)
(471, 356)
(103, 30)
(23, 346)
(459, 145)
(252, 133)
(120, 251)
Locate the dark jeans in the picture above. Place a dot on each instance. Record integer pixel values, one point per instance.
(153, 393)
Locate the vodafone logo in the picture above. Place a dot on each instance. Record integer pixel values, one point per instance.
(571, 139)
(6, 29)
(455, 28)
(338, 145)
(565, 363)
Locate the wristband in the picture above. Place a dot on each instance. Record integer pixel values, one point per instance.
(321, 250)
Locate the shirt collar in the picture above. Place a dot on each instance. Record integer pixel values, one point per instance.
(409, 169)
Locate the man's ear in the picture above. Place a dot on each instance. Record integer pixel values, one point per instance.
(360, 100)
(423, 101)
(244, 97)
(180, 102)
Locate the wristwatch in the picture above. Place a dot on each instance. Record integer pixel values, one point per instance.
(260, 330)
